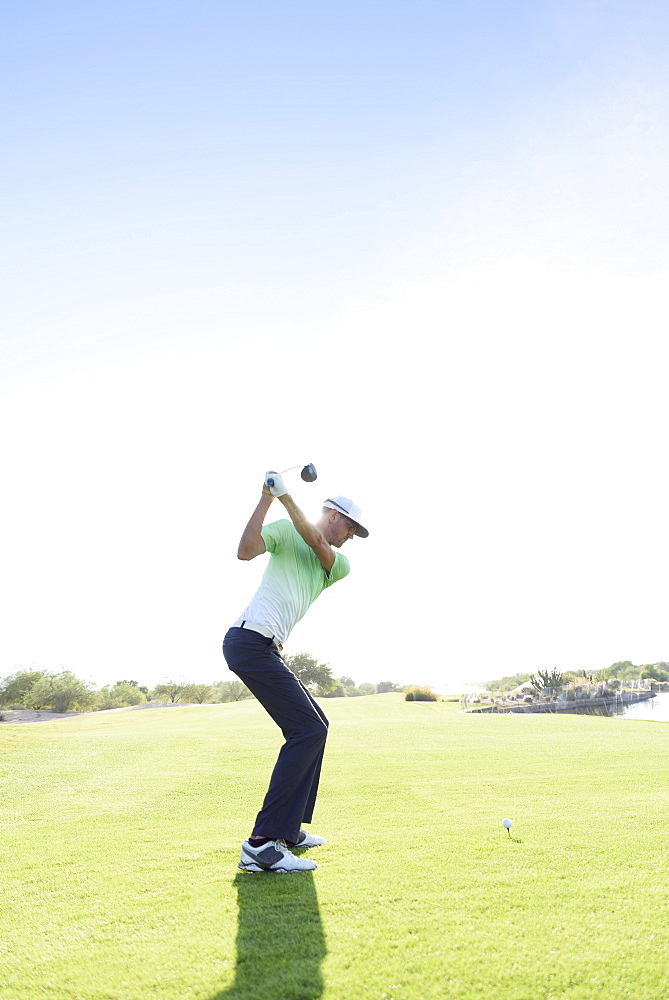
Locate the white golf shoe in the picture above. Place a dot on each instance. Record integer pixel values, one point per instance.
(309, 840)
(273, 856)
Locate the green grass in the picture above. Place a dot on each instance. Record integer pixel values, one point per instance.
(121, 832)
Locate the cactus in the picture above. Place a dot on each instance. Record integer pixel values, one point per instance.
(544, 680)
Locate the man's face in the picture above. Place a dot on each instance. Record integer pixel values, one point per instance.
(343, 528)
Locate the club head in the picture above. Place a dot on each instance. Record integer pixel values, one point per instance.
(309, 474)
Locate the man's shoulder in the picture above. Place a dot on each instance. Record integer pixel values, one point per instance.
(340, 568)
(276, 532)
(276, 526)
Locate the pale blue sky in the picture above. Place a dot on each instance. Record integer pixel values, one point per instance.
(423, 246)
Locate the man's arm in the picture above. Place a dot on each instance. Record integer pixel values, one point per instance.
(312, 535)
(251, 543)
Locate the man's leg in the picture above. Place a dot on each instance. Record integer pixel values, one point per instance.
(293, 786)
(316, 773)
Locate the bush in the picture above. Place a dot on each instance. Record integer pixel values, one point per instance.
(198, 693)
(61, 693)
(338, 691)
(170, 690)
(226, 691)
(655, 673)
(621, 670)
(366, 688)
(121, 695)
(420, 694)
(15, 687)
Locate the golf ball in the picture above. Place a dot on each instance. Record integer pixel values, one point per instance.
(506, 823)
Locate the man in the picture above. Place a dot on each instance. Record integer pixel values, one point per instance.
(304, 560)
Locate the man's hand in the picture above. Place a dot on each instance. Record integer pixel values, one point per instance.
(274, 484)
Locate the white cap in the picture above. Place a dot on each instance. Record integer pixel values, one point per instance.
(351, 510)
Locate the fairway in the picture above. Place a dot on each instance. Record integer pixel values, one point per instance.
(121, 835)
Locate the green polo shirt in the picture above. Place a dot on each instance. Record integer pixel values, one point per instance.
(293, 580)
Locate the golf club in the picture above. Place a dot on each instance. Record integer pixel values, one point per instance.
(308, 474)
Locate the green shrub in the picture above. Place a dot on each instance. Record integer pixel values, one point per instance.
(198, 693)
(366, 688)
(227, 691)
(120, 695)
(655, 673)
(15, 687)
(420, 694)
(60, 693)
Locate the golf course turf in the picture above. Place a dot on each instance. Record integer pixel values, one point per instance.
(121, 834)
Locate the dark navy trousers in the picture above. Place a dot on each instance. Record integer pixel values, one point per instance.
(291, 795)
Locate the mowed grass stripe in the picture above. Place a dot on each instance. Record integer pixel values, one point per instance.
(121, 835)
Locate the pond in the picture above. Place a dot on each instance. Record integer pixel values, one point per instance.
(656, 708)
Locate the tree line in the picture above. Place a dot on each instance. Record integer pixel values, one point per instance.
(620, 672)
(65, 692)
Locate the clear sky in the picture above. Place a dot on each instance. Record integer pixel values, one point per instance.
(423, 246)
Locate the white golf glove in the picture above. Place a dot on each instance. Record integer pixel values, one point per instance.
(274, 484)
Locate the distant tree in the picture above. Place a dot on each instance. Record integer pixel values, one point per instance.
(654, 672)
(198, 693)
(105, 700)
(14, 688)
(348, 685)
(238, 691)
(39, 695)
(337, 690)
(170, 689)
(384, 686)
(507, 683)
(366, 688)
(62, 692)
(620, 670)
(120, 695)
(314, 675)
(225, 691)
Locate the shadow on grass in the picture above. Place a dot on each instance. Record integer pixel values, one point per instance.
(280, 940)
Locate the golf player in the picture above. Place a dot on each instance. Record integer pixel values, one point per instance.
(304, 560)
